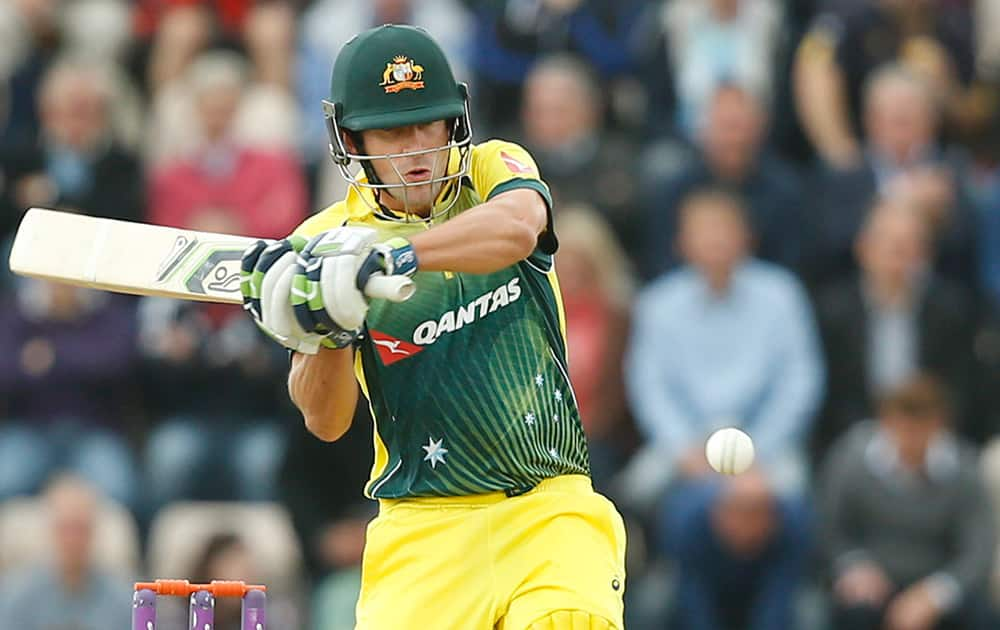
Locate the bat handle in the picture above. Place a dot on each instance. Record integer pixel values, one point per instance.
(392, 288)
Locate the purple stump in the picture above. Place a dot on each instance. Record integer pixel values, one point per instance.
(254, 614)
(144, 610)
(202, 611)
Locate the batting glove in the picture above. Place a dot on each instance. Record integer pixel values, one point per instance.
(394, 257)
(324, 295)
(266, 273)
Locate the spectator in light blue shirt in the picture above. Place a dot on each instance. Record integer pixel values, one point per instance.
(70, 592)
(726, 340)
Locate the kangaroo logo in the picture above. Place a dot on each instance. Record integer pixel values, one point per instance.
(402, 74)
(393, 346)
(390, 349)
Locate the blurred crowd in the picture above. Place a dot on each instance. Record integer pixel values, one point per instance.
(781, 216)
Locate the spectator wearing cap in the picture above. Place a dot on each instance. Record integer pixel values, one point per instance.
(907, 528)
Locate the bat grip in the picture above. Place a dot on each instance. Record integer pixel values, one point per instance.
(392, 288)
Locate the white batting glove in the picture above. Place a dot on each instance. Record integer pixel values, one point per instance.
(325, 294)
(267, 270)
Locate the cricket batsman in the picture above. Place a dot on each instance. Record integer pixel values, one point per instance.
(487, 517)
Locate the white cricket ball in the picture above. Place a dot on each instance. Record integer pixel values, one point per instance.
(729, 451)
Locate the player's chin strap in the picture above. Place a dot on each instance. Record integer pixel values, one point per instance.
(380, 209)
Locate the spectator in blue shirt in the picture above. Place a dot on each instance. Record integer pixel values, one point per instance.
(726, 340)
(71, 591)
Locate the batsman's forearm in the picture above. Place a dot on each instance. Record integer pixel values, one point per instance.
(324, 389)
(487, 238)
(478, 245)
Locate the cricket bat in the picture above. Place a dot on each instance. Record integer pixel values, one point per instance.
(145, 259)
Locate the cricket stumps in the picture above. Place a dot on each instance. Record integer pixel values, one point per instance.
(202, 602)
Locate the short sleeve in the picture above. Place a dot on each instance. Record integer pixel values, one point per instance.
(332, 217)
(498, 167)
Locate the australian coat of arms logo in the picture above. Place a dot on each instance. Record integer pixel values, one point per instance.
(402, 74)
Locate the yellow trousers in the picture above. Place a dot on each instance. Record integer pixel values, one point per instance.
(550, 559)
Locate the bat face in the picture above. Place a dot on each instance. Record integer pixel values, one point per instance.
(129, 257)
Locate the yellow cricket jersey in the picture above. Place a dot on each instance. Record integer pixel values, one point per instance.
(467, 380)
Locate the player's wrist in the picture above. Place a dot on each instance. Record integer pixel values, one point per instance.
(394, 257)
(398, 257)
(338, 340)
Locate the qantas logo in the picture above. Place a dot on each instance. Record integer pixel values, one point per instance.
(515, 165)
(429, 331)
(391, 349)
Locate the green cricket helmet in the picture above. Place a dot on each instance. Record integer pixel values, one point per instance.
(392, 76)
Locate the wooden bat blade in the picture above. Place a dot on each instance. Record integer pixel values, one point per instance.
(128, 257)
